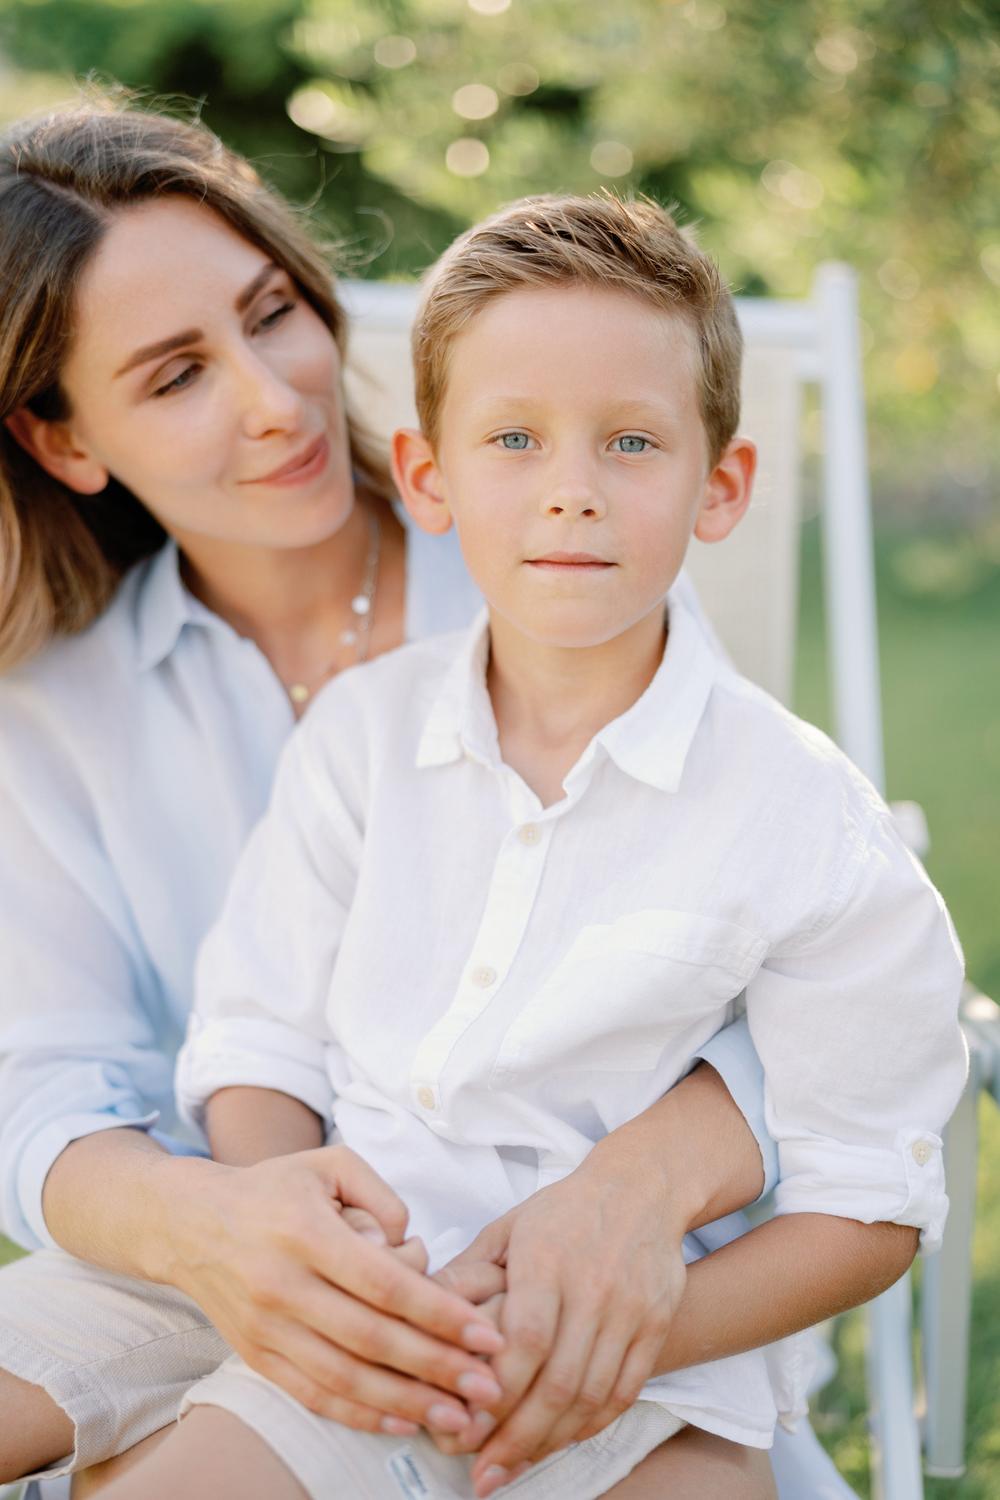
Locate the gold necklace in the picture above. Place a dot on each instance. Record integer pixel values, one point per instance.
(358, 632)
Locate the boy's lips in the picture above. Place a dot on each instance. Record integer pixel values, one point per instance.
(571, 561)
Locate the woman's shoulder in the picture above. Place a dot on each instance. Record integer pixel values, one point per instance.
(74, 676)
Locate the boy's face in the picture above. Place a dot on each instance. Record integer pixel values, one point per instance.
(573, 460)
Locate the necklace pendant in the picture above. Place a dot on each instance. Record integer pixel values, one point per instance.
(361, 604)
(298, 692)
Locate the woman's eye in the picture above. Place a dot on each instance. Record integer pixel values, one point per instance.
(179, 382)
(271, 319)
(514, 442)
(630, 443)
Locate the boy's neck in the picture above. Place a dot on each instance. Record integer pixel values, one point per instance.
(550, 701)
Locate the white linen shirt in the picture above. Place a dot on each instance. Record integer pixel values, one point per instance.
(135, 758)
(471, 989)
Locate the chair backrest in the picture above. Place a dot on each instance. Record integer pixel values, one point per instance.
(748, 585)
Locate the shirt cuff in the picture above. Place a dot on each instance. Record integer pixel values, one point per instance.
(40, 1155)
(899, 1185)
(243, 1053)
(732, 1054)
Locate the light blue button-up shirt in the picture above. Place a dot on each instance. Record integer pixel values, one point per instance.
(134, 760)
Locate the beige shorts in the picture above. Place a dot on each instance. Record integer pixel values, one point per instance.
(115, 1353)
(123, 1357)
(332, 1462)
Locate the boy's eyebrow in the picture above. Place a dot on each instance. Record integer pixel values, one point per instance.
(622, 409)
(192, 335)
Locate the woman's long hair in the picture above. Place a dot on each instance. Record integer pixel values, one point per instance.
(62, 178)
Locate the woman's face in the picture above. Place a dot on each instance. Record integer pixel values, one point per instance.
(202, 379)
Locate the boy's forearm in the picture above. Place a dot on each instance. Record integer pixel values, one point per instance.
(786, 1275)
(248, 1125)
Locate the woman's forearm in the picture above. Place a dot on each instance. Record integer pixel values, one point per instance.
(116, 1198)
(781, 1277)
(695, 1144)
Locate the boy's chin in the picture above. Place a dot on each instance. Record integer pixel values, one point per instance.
(569, 630)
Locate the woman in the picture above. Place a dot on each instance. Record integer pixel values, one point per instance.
(194, 536)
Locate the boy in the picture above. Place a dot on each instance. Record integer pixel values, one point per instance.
(510, 883)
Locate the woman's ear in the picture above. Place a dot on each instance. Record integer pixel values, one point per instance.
(418, 480)
(727, 491)
(55, 449)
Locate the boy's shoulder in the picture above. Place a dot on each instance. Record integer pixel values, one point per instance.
(780, 753)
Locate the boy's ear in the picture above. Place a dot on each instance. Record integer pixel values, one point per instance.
(727, 491)
(55, 449)
(418, 480)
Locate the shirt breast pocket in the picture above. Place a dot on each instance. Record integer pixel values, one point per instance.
(623, 991)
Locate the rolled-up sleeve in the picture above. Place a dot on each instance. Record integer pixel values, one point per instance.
(78, 1050)
(856, 1024)
(263, 973)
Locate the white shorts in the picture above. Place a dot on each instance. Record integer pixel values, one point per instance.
(332, 1462)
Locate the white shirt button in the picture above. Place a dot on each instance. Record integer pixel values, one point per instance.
(483, 977)
(921, 1151)
(426, 1098)
(529, 833)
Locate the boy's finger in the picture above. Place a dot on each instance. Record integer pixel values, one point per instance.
(365, 1224)
(529, 1322)
(594, 1407)
(477, 1280)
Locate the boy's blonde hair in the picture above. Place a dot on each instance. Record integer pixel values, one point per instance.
(600, 241)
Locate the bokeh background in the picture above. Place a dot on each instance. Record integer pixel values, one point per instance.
(865, 130)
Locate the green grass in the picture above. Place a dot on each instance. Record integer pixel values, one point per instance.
(940, 647)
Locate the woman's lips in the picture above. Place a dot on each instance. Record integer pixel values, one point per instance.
(306, 466)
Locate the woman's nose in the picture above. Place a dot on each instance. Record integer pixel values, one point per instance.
(270, 402)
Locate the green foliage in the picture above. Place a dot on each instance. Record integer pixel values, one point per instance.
(866, 130)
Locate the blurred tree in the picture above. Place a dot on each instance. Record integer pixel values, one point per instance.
(861, 129)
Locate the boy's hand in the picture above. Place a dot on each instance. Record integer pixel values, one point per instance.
(594, 1274)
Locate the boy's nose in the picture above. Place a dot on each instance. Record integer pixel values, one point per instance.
(573, 501)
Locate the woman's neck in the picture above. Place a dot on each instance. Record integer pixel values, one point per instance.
(296, 605)
(277, 592)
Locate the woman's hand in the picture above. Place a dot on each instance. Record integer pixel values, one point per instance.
(594, 1273)
(351, 1327)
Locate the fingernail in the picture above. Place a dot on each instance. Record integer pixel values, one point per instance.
(485, 1421)
(482, 1338)
(373, 1233)
(446, 1418)
(493, 1478)
(399, 1427)
(478, 1387)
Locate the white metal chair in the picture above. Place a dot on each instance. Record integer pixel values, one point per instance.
(792, 345)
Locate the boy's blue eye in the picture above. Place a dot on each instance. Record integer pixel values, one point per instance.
(630, 443)
(514, 442)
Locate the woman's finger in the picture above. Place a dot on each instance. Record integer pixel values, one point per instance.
(336, 1373)
(554, 1392)
(386, 1282)
(635, 1371)
(385, 1341)
(596, 1407)
(340, 1409)
(350, 1179)
(365, 1224)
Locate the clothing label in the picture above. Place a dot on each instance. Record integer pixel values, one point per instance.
(403, 1467)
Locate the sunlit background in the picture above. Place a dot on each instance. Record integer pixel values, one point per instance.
(865, 130)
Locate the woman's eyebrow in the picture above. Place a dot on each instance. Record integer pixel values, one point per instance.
(192, 335)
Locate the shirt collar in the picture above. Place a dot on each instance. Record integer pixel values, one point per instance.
(649, 742)
(163, 607)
